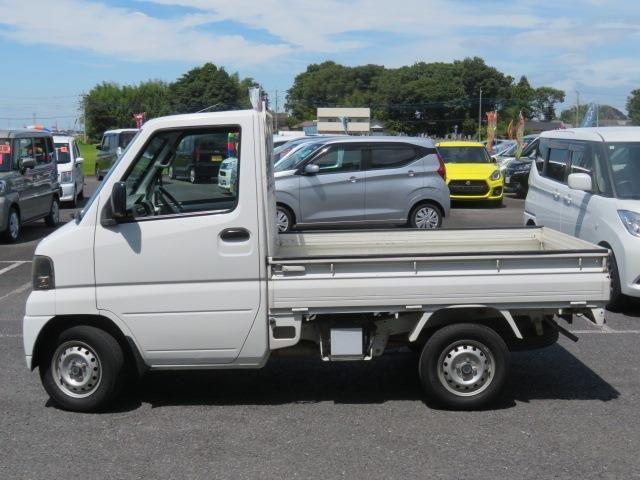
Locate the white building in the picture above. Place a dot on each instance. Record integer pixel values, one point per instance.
(359, 120)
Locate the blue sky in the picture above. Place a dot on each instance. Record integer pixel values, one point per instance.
(58, 49)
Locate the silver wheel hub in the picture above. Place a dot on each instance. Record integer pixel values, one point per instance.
(14, 225)
(427, 217)
(76, 369)
(466, 368)
(282, 221)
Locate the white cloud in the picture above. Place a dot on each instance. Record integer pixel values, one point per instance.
(126, 34)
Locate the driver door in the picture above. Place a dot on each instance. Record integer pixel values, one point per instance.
(183, 271)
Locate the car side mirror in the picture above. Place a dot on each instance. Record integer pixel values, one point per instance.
(580, 181)
(311, 169)
(79, 160)
(119, 151)
(98, 146)
(494, 158)
(27, 162)
(119, 201)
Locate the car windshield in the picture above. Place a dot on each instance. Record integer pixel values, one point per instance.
(464, 155)
(297, 156)
(64, 152)
(5, 154)
(125, 138)
(624, 159)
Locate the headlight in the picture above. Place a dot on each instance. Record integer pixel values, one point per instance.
(631, 220)
(495, 175)
(66, 177)
(42, 273)
(3, 185)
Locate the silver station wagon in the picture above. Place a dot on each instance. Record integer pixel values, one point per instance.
(362, 181)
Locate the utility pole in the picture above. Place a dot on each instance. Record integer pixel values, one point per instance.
(479, 114)
(577, 107)
(276, 112)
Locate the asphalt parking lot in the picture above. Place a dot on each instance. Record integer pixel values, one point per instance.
(571, 410)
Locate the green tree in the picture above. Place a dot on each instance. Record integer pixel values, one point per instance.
(544, 102)
(633, 106)
(204, 87)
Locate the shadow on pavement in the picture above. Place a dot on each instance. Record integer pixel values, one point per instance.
(549, 374)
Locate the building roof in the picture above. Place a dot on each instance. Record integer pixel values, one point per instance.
(597, 134)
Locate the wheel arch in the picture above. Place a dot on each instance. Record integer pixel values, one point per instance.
(501, 321)
(60, 323)
(289, 209)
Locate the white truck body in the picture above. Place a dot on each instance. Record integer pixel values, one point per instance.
(177, 294)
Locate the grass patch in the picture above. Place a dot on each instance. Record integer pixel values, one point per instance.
(88, 152)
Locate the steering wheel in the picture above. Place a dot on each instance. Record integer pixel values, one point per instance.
(170, 200)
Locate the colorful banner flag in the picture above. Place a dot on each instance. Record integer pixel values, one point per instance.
(139, 118)
(510, 130)
(520, 135)
(492, 126)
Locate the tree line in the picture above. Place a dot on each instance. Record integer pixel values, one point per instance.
(109, 105)
(430, 98)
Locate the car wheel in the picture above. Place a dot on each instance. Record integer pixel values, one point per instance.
(81, 194)
(192, 175)
(617, 299)
(53, 218)
(425, 216)
(464, 366)
(12, 232)
(284, 219)
(82, 369)
(74, 201)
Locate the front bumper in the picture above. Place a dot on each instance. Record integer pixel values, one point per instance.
(67, 191)
(476, 190)
(515, 180)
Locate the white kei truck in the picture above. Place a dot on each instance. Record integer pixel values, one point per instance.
(164, 274)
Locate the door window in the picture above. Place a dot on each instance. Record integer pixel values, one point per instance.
(25, 150)
(42, 150)
(556, 166)
(391, 156)
(151, 192)
(340, 159)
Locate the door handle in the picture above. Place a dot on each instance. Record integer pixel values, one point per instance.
(567, 199)
(556, 196)
(235, 235)
(352, 179)
(411, 173)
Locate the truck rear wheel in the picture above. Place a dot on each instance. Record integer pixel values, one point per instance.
(464, 366)
(82, 369)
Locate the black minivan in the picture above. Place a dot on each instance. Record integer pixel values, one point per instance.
(198, 157)
(29, 188)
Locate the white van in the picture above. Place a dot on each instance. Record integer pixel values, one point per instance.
(69, 163)
(586, 182)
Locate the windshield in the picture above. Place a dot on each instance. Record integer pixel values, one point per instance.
(624, 159)
(529, 145)
(296, 157)
(5, 154)
(64, 154)
(125, 139)
(464, 155)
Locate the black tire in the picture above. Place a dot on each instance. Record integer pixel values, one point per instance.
(432, 216)
(10, 235)
(95, 347)
(81, 194)
(617, 300)
(193, 178)
(284, 216)
(522, 190)
(53, 219)
(74, 202)
(473, 342)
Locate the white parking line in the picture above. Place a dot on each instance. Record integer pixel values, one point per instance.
(10, 335)
(12, 266)
(20, 289)
(608, 331)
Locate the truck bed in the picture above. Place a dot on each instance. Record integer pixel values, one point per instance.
(400, 270)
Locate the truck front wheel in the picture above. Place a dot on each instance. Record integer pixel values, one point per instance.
(464, 366)
(82, 369)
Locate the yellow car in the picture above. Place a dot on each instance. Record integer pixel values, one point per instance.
(471, 173)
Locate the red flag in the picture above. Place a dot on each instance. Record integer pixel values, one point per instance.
(139, 118)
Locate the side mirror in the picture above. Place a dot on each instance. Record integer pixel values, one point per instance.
(98, 146)
(79, 160)
(311, 169)
(580, 181)
(27, 162)
(119, 201)
(494, 158)
(119, 151)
